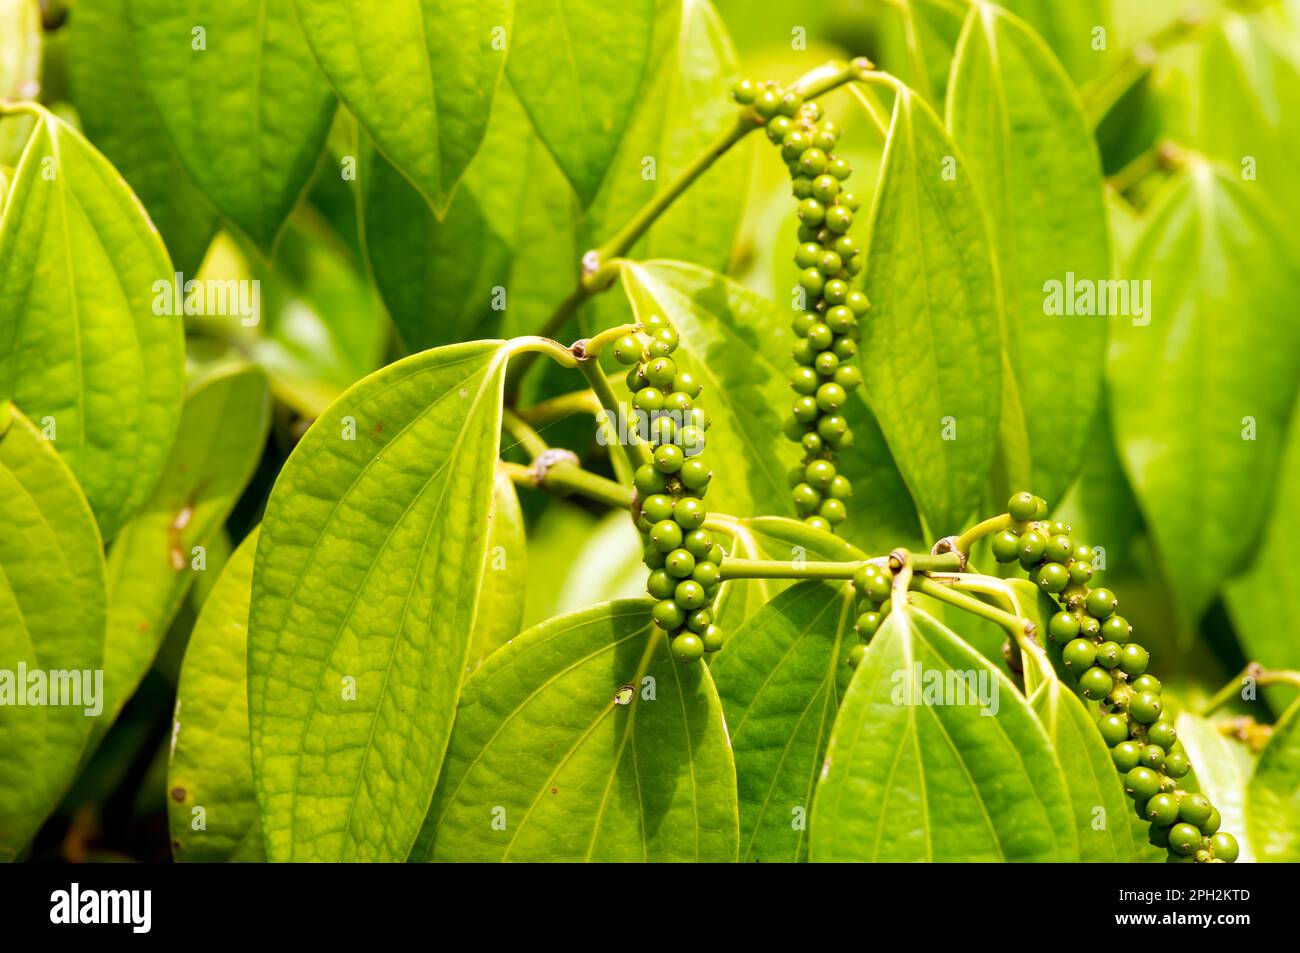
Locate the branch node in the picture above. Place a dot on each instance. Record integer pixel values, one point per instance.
(549, 458)
(949, 545)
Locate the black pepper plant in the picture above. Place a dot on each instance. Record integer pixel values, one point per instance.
(403, 430)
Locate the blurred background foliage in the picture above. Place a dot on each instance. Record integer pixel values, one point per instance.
(1169, 79)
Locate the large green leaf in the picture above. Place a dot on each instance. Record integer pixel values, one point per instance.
(1070, 30)
(1201, 400)
(51, 622)
(243, 101)
(155, 559)
(510, 225)
(1222, 770)
(735, 343)
(505, 583)
(1103, 814)
(1247, 104)
(1260, 598)
(20, 49)
(907, 780)
(684, 106)
(82, 351)
(323, 324)
(1030, 151)
(420, 78)
(585, 740)
(209, 763)
(781, 677)
(1273, 795)
(108, 89)
(366, 587)
(578, 66)
(934, 376)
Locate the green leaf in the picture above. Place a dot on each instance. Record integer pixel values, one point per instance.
(609, 564)
(781, 676)
(934, 331)
(242, 99)
(577, 65)
(736, 344)
(82, 351)
(510, 225)
(551, 559)
(20, 49)
(209, 763)
(684, 107)
(108, 89)
(1201, 403)
(155, 559)
(1261, 597)
(1103, 814)
(908, 780)
(1273, 795)
(366, 587)
(546, 764)
(51, 621)
(1070, 29)
(505, 584)
(420, 78)
(1222, 769)
(917, 40)
(323, 326)
(1021, 126)
(1246, 110)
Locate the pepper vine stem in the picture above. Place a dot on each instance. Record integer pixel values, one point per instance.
(557, 408)
(613, 411)
(524, 435)
(977, 532)
(1262, 676)
(600, 265)
(564, 477)
(733, 568)
(1014, 625)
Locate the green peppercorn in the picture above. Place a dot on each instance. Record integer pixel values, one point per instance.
(1162, 733)
(1225, 847)
(1062, 627)
(1101, 603)
(1022, 507)
(1079, 654)
(688, 647)
(1126, 755)
(1145, 707)
(1113, 728)
(1184, 839)
(1033, 545)
(1142, 783)
(1133, 659)
(1095, 683)
(660, 584)
(669, 458)
(1162, 810)
(1006, 548)
(668, 615)
(679, 563)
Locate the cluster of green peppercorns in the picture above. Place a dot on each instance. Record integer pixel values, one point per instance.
(827, 323)
(682, 555)
(1097, 646)
(873, 584)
